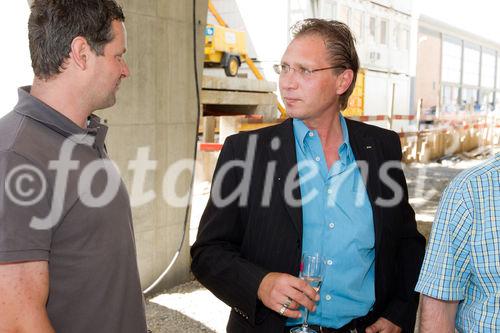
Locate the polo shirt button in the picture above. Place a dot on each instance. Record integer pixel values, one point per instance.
(330, 191)
(311, 134)
(328, 297)
(329, 262)
(331, 225)
(317, 159)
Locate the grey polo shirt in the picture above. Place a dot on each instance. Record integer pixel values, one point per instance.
(62, 201)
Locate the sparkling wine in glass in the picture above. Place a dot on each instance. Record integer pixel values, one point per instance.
(311, 271)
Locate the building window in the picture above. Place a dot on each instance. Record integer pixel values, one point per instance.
(452, 61)
(396, 36)
(298, 10)
(471, 65)
(383, 32)
(328, 10)
(400, 37)
(372, 28)
(497, 93)
(469, 99)
(486, 100)
(357, 24)
(488, 69)
(405, 38)
(345, 14)
(450, 98)
(498, 74)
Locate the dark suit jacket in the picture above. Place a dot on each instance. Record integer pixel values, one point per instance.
(240, 242)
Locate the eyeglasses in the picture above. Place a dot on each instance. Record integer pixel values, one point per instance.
(304, 72)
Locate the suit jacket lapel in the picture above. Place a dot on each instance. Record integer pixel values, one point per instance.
(365, 151)
(286, 161)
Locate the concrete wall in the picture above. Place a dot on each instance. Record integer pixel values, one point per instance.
(157, 109)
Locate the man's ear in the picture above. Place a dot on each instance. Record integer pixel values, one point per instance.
(80, 52)
(344, 81)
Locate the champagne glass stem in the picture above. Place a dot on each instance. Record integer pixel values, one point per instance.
(306, 317)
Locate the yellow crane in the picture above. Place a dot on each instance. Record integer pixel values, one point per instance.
(224, 47)
(244, 56)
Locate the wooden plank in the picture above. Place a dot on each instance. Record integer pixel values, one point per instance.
(237, 98)
(254, 126)
(237, 84)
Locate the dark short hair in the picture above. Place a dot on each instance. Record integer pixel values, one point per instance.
(53, 24)
(340, 45)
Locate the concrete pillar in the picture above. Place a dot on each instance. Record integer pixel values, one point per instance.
(208, 129)
(157, 109)
(228, 125)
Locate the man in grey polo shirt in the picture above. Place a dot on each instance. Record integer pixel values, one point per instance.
(67, 251)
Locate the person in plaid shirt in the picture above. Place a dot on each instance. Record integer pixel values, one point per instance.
(460, 277)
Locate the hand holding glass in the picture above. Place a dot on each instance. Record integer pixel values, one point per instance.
(311, 271)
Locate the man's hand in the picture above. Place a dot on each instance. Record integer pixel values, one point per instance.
(383, 325)
(277, 289)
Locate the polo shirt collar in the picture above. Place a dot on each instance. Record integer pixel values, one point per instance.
(37, 110)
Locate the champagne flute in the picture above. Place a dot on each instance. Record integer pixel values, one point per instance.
(311, 271)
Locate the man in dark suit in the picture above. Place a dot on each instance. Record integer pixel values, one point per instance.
(317, 183)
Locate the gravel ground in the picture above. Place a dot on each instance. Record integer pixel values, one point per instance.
(426, 183)
(173, 311)
(191, 308)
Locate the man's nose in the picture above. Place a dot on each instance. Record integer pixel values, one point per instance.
(125, 70)
(289, 80)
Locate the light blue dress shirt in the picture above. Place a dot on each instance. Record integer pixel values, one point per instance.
(337, 224)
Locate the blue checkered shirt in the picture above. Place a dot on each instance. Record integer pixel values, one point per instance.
(462, 261)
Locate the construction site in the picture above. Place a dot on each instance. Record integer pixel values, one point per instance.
(436, 85)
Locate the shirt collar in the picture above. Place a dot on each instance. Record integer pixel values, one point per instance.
(345, 132)
(32, 107)
(301, 131)
(345, 152)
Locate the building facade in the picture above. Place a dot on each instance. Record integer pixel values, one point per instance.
(456, 70)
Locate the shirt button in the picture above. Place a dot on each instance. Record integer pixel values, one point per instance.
(331, 225)
(317, 159)
(311, 134)
(330, 191)
(329, 262)
(328, 297)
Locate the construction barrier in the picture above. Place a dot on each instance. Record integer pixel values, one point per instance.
(449, 134)
(210, 146)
